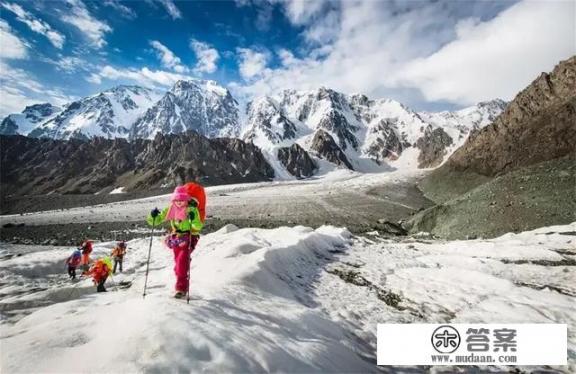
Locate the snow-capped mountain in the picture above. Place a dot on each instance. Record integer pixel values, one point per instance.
(299, 132)
(33, 115)
(109, 114)
(202, 106)
(357, 132)
(460, 123)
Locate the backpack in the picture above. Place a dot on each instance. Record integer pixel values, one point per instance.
(74, 259)
(86, 247)
(197, 192)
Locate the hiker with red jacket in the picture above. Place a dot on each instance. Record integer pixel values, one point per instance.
(86, 249)
(73, 261)
(186, 218)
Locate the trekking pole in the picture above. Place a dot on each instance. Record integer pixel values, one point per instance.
(189, 264)
(148, 261)
(114, 283)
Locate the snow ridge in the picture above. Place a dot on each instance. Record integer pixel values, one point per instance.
(109, 114)
(371, 133)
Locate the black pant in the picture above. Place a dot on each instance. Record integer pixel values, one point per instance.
(100, 287)
(117, 261)
(72, 272)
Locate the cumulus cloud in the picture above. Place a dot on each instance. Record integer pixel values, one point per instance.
(144, 76)
(301, 12)
(206, 55)
(19, 89)
(325, 30)
(94, 29)
(12, 46)
(442, 50)
(168, 58)
(496, 58)
(252, 63)
(36, 24)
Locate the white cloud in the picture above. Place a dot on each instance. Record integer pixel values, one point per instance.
(19, 89)
(123, 10)
(92, 28)
(168, 58)
(325, 30)
(499, 57)
(144, 76)
(252, 63)
(301, 12)
(287, 58)
(171, 8)
(36, 24)
(94, 78)
(12, 47)
(206, 55)
(447, 51)
(71, 64)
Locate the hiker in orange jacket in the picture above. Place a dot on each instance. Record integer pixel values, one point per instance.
(118, 254)
(100, 271)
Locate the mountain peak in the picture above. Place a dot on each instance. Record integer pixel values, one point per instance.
(199, 84)
(199, 105)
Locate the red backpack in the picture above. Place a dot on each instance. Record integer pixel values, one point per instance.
(197, 192)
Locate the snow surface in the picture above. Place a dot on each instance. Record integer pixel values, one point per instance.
(271, 300)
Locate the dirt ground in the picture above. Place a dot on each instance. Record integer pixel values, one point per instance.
(358, 205)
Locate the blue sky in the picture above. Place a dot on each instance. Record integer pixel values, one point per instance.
(430, 55)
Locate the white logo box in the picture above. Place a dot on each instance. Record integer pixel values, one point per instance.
(412, 344)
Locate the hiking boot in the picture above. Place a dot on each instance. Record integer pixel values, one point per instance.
(179, 295)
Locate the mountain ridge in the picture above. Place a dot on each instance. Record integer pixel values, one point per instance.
(364, 134)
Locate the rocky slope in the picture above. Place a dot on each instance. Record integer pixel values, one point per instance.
(43, 166)
(526, 198)
(515, 174)
(538, 125)
(297, 161)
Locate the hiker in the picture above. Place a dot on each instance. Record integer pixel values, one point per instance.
(86, 249)
(118, 254)
(100, 271)
(73, 261)
(185, 222)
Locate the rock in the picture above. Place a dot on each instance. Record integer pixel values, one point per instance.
(297, 161)
(39, 166)
(388, 146)
(432, 147)
(265, 116)
(538, 125)
(391, 228)
(325, 147)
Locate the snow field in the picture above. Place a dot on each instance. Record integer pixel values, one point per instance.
(290, 299)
